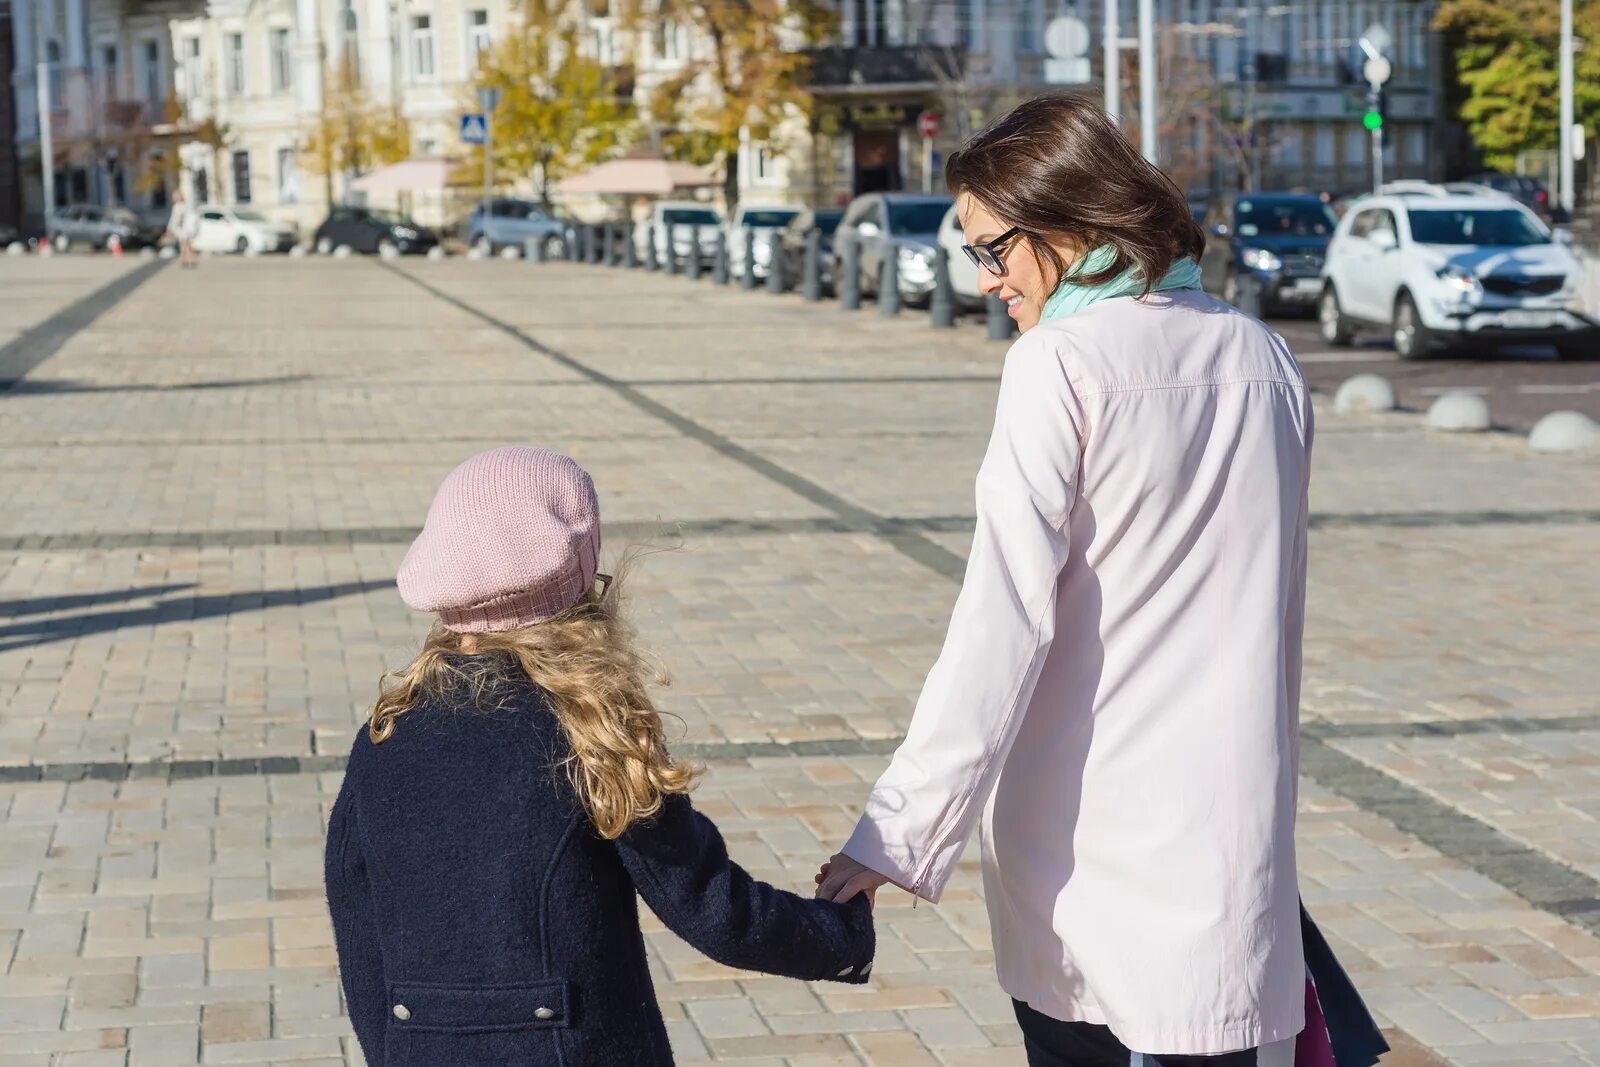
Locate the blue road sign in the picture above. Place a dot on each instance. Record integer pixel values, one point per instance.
(472, 128)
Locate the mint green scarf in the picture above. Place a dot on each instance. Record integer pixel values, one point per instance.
(1069, 299)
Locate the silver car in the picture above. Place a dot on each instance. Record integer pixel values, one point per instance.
(512, 223)
(94, 226)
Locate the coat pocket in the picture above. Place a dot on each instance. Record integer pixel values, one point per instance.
(476, 1026)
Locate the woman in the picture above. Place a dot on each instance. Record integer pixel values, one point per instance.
(1118, 694)
(184, 226)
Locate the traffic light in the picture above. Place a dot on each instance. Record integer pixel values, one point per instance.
(1373, 119)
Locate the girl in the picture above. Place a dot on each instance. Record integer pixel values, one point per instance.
(510, 794)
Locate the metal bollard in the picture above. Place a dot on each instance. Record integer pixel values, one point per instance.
(674, 265)
(849, 281)
(533, 247)
(889, 280)
(942, 305)
(776, 282)
(630, 248)
(595, 248)
(652, 254)
(608, 234)
(569, 244)
(719, 267)
(585, 242)
(1247, 289)
(1001, 324)
(747, 277)
(813, 266)
(694, 253)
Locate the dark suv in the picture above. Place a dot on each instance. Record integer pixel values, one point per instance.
(1279, 240)
(368, 230)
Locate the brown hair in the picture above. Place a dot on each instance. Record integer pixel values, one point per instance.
(585, 661)
(1059, 170)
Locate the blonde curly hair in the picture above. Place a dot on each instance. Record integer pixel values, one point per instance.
(586, 662)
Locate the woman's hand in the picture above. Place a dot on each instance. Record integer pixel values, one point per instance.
(841, 878)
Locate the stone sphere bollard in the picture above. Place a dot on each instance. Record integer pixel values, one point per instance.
(388, 251)
(475, 252)
(511, 252)
(16, 248)
(437, 252)
(1460, 412)
(1565, 431)
(1365, 393)
(147, 252)
(169, 253)
(297, 252)
(343, 252)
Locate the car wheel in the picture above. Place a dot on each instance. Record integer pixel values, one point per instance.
(1335, 327)
(553, 247)
(1412, 339)
(242, 245)
(1574, 351)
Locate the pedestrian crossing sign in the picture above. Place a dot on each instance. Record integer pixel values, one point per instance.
(473, 129)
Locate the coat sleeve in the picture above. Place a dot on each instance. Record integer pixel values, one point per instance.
(923, 809)
(681, 867)
(355, 928)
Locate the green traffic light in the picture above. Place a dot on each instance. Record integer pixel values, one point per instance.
(1372, 120)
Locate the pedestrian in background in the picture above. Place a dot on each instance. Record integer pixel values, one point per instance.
(183, 224)
(1118, 695)
(510, 793)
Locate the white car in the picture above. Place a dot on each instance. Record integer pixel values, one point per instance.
(682, 219)
(963, 272)
(1439, 271)
(239, 229)
(764, 224)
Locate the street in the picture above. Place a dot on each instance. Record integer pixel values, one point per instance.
(208, 478)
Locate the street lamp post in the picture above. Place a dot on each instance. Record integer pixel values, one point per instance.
(1111, 50)
(1566, 194)
(1147, 80)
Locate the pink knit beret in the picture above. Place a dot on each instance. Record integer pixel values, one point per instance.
(512, 539)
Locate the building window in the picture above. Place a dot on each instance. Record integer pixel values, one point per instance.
(282, 60)
(241, 177)
(110, 72)
(288, 177)
(154, 82)
(422, 47)
(764, 169)
(194, 74)
(669, 40)
(1030, 25)
(235, 64)
(58, 77)
(350, 43)
(477, 36)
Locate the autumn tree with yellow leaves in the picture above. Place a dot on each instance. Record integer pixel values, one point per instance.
(744, 72)
(351, 134)
(560, 111)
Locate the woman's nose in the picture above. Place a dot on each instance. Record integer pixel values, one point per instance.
(988, 283)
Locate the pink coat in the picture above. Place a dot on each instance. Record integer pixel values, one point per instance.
(1118, 695)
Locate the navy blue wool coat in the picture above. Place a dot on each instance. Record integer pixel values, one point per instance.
(482, 922)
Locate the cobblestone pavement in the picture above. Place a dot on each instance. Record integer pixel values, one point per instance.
(207, 479)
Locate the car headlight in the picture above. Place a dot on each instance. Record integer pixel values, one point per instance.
(916, 257)
(1460, 281)
(1261, 259)
(1583, 299)
(405, 233)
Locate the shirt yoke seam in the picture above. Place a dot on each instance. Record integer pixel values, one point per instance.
(1197, 383)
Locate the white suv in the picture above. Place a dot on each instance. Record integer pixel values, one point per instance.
(1435, 271)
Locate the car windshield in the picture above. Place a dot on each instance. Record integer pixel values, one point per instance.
(917, 216)
(389, 218)
(769, 219)
(249, 216)
(827, 221)
(1499, 227)
(1283, 218)
(122, 215)
(690, 216)
(512, 210)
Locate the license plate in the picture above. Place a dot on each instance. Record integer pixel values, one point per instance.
(1527, 320)
(1308, 286)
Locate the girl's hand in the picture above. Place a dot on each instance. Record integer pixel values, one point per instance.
(841, 878)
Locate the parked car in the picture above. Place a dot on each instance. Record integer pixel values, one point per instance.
(908, 224)
(963, 272)
(763, 223)
(1278, 240)
(794, 237)
(1436, 272)
(369, 230)
(679, 219)
(240, 229)
(94, 226)
(1530, 192)
(512, 223)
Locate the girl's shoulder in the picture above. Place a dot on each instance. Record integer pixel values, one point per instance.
(453, 728)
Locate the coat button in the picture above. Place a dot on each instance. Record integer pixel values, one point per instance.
(544, 1015)
(402, 1012)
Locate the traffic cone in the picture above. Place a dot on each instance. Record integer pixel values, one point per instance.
(116, 246)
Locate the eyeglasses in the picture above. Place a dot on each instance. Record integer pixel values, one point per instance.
(987, 254)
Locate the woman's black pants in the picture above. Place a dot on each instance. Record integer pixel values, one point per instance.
(1053, 1043)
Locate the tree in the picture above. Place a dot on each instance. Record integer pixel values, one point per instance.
(1506, 54)
(560, 111)
(745, 74)
(160, 151)
(351, 134)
